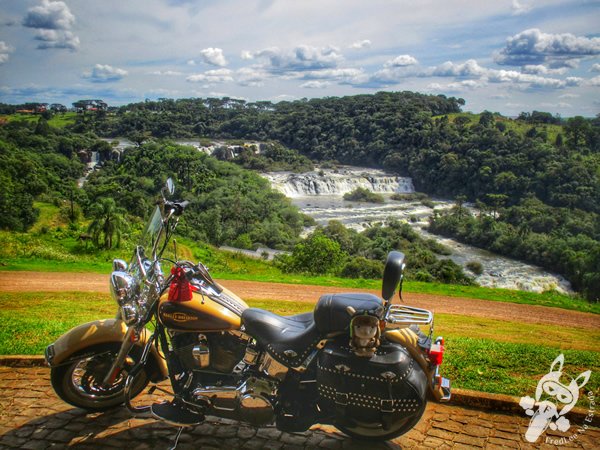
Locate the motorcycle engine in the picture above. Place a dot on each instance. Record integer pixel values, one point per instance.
(219, 352)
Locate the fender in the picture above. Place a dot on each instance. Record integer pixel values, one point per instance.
(101, 332)
(408, 339)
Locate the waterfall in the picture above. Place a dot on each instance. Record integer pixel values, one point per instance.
(337, 182)
(319, 195)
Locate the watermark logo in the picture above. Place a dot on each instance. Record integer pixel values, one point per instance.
(553, 399)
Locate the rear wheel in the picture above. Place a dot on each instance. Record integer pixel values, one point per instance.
(80, 383)
(375, 432)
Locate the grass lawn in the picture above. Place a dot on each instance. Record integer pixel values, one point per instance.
(516, 126)
(506, 357)
(57, 120)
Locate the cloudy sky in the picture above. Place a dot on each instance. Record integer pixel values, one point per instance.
(503, 55)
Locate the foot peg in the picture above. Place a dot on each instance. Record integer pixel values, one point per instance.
(176, 414)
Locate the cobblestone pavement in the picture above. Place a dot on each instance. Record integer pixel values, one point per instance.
(32, 417)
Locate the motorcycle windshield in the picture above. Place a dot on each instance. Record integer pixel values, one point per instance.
(152, 232)
(142, 255)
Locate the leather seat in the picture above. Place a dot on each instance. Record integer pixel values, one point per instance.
(288, 339)
(331, 313)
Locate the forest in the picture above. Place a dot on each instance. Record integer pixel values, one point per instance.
(228, 203)
(535, 179)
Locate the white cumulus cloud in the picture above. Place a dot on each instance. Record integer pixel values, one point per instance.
(245, 54)
(53, 22)
(56, 39)
(248, 76)
(540, 69)
(301, 58)
(401, 61)
(49, 15)
(5, 50)
(166, 73)
(315, 84)
(103, 73)
(512, 76)
(343, 75)
(212, 76)
(469, 68)
(532, 47)
(365, 43)
(213, 56)
(520, 7)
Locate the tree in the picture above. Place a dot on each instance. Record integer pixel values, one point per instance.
(317, 255)
(459, 205)
(496, 202)
(107, 221)
(486, 119)
(42, 127)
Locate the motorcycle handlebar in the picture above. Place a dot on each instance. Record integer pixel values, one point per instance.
(201, 272)
(176, 207)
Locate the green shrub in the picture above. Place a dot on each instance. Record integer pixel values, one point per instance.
(475, 266)
(243, 241)
(317, 255)
(361, 267)
(409, 196)
(363, 195)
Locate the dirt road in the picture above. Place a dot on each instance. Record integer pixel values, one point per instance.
(249, 290)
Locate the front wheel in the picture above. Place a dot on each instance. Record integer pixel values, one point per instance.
(80, 383)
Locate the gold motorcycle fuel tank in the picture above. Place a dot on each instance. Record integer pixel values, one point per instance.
(203, 313)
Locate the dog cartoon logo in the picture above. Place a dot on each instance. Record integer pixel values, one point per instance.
(550, 395)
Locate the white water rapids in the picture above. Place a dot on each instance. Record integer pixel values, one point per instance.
(338, 182)
(319, 194)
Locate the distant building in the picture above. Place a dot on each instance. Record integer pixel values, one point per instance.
(90, 105)
(33, 108)
(58, 108)
(41, 108)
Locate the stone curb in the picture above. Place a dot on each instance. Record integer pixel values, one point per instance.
(460, 397)
(22, 360)
(510, 405)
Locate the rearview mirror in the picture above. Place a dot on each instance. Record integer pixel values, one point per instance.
(170, 186)
(392, 274)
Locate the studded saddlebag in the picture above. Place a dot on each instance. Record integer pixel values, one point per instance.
(381, 390)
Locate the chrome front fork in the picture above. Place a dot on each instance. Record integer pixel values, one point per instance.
(117, 365)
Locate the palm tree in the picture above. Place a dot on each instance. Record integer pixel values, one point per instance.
(107, 221)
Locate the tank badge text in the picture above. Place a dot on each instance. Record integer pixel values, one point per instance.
(179, 317)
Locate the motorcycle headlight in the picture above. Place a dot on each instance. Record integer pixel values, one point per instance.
(119, 265)
(122, 287)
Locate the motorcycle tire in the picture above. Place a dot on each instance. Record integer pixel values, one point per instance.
(377, 433)
(79, 382)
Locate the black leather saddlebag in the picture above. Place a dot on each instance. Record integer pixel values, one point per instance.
(385, 390)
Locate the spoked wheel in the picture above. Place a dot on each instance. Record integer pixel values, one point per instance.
(80, 383)
(375, 432)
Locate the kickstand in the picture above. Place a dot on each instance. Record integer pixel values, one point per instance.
(177, 438)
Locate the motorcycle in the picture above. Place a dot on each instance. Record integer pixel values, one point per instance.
(357, 362)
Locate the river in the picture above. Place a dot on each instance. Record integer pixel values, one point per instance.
(319, 194)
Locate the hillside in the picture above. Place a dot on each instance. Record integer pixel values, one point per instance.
(536, 179)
